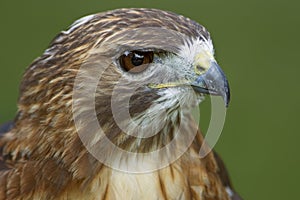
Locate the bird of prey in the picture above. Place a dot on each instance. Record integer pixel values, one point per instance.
(105, 113)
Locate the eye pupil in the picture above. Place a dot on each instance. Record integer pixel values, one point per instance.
(137, 59)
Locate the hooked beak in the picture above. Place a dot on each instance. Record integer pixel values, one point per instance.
(213, 82)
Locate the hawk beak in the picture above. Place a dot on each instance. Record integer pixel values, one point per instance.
(213, 82)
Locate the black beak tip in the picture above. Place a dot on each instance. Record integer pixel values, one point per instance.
(226, 95)
(227, 103)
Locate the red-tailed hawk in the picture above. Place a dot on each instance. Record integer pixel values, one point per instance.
(105, 113)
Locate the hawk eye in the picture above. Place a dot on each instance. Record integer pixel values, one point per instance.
(136, 61)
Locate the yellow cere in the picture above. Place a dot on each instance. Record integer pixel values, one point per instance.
(202, 60)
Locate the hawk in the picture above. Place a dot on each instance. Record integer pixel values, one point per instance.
(106, 113)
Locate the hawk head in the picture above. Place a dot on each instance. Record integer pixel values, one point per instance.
(117, 89)
(128, 75)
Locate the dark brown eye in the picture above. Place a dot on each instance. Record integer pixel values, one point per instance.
(136, 61)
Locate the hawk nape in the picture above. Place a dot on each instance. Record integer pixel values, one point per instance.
(162, 65)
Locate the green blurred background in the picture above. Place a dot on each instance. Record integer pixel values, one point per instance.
(257, 44)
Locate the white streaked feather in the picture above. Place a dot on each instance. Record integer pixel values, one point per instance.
(78, 23)
(229, 191)
(50, 52)
(195, 46)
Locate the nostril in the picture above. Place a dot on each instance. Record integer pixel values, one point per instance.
(199, 69)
